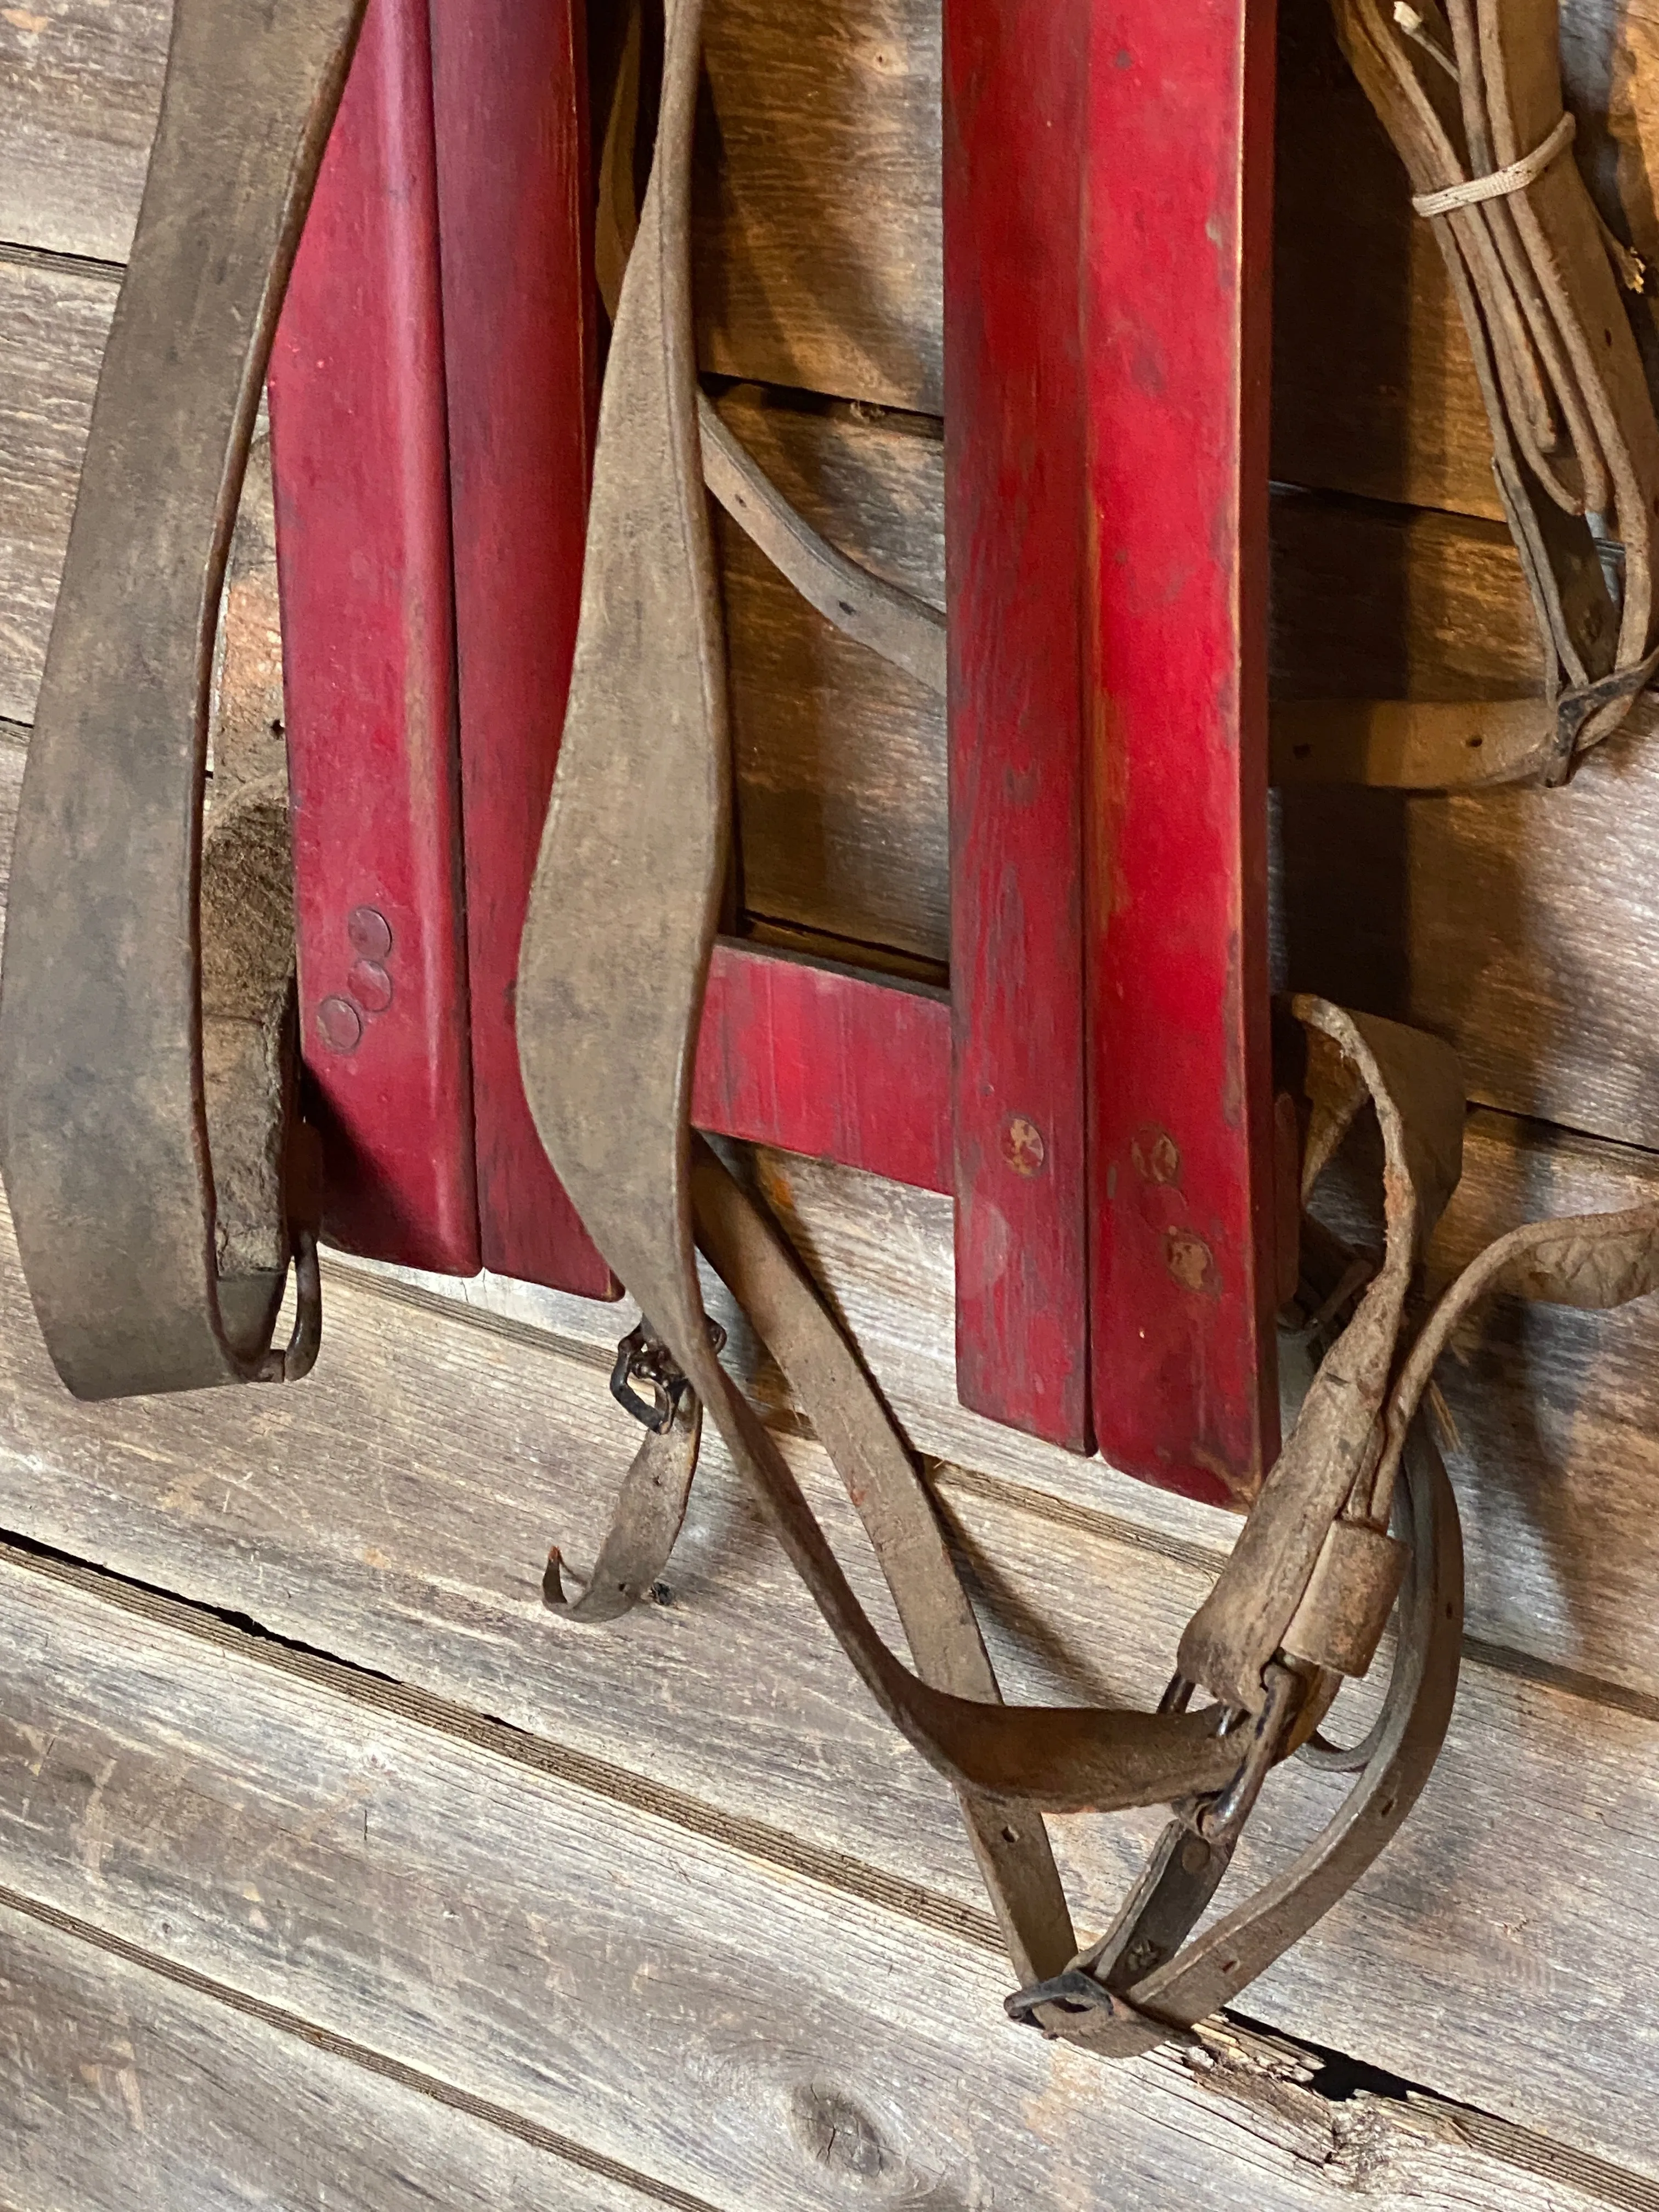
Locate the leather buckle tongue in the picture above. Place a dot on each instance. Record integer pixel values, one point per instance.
(1219, 1819)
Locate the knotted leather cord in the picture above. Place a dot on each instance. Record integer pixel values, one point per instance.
(1473, 104)
(103, 1120)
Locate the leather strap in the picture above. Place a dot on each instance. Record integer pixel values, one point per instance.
(1472, 101)
(1137, 1985)
(901, 628)
(103, 1111)
(628, 883)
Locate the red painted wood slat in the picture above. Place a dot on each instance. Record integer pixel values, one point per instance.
(820, 1058)
(515, 200)
(363, 551)
(1015, 460)
(1180, 136)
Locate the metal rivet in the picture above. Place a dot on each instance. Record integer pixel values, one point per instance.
(1156, 1155)
(1189, 1260)
(340, 1024)
(370, 986)
(1023, 1147)
(370, 933)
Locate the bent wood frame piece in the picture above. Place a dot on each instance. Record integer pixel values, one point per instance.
(1095, 1092)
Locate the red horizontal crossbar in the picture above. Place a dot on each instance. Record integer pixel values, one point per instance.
(828, 1060)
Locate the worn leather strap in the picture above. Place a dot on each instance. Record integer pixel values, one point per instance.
(1473, 99)
(103, 1120)
(628, 886)
(1139, 1984)
(753, 1259)
(905, 630)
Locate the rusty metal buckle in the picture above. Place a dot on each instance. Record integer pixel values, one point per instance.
(1185, 1870)
(642, 1356)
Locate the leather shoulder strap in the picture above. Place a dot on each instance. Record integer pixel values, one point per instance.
(103, 1115)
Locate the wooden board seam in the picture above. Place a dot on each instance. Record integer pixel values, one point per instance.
(1256, 2071)
(359, 2054)
(755, 1839)
(1041, 1505)
(66, 264)
(1533, 2153)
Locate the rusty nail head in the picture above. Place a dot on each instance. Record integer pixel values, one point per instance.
(370, 933)
(1189, 1260)
(340, 1024)
(1023, 1146)
(1156, 1155)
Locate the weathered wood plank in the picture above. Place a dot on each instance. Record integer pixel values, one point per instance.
(343, 1515)
(1519, 924)
(80, 88)
(842, 803)
(121, 2091)
(820, 225)
(320, 1844)
(819, 230)
(52, 329)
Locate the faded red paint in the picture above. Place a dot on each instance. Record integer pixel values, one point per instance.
(363, 552)
(825, 1060)
(1014, 106)
(1183, 1262)
(510, 79)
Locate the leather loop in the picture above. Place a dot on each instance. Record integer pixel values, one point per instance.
(104, 1115)
(1474, 107)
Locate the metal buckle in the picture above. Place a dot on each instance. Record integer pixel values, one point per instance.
(642, 1356)
(1073, 1992)
(1184, 1871)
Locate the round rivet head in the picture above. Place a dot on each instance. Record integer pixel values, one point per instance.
(340, 1024)
(1023, 1147)
(370, 933)
(1156, 1155)
(370, 986)
(1190, 1262)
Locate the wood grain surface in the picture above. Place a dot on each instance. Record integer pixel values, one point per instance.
(124, 2091)
(127, 2090)
(820, 231)
(343, 1517)
(468, 1906)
